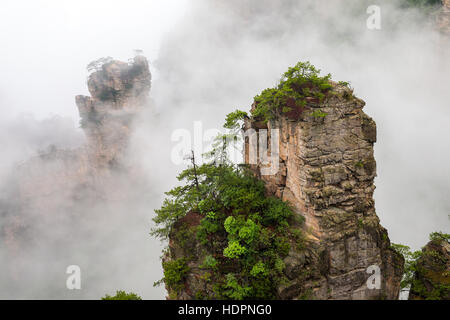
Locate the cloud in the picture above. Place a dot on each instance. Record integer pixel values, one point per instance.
(224, 53)
(217, 56)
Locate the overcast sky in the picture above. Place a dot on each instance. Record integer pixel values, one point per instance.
(46, 45)
(209, 57)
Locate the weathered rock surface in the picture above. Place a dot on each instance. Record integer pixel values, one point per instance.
(119, 91)
(432, 278)
(326, 171)
(55, 181)
(443, 18)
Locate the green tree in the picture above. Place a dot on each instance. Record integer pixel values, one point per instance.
(122, 295)
(241, 225)
(174, 272)
(300, 82)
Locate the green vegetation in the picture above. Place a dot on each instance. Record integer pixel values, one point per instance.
(438, 237)
(359, 164)
(360, 223)
(421, 3)
(300, 84)
(344, 83)
(234, 250)
(244, 233)
(410, 266)
(233, 290)
(318, 114)
(174, 273)
(233, 118)
(122, 295)
(427, 7)
(413, 266)
(233, 122)
(298, 89)
(236, 212)
(209, 263)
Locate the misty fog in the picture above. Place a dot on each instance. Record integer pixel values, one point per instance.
(208, 58)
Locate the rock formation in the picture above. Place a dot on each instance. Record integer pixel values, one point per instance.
(432, 276)
(443, 18)
(119, 91)
(326, 170)
(66, 182)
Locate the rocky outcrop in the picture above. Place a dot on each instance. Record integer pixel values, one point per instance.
(443, 18)
(119, 91)
(324, 167)
(432, 276)
(61, 182)
(326, 171)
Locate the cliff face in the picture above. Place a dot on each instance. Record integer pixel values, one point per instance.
(326, 170)
(58, 184)
(432, 276)
(118, 92)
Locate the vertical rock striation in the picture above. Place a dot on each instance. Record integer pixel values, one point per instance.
(326, 171)
(322, 153)
(118, 92)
